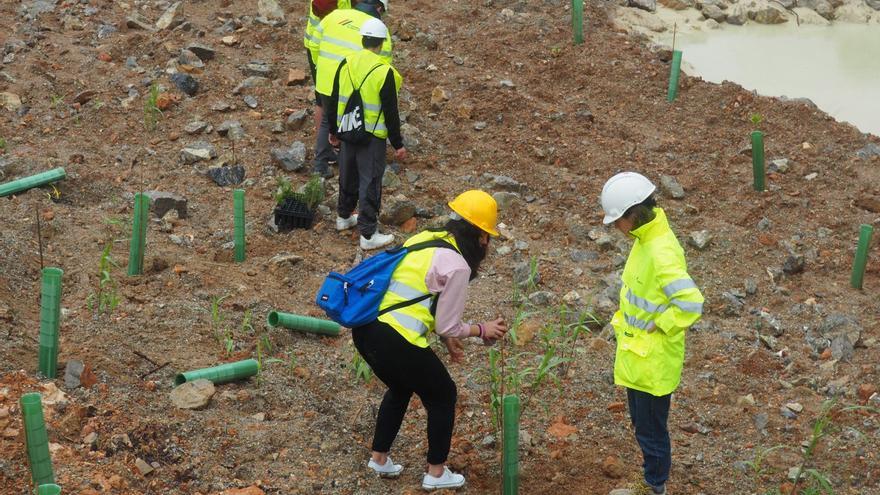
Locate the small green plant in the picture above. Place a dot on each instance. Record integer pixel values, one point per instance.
(98, 104)
(218, 319)
(359, 368)
(311, 195)
(757, 462)
(756, 119)
(55, 101)
(105, 299)
(151, 108)
(2, 144)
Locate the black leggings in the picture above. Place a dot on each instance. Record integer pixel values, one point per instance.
(406, 368)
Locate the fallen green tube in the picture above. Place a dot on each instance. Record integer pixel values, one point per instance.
(138, 234)
(49, 489)
(858, 273)
(31, 182)
(510, 455)
(36, 440)
(674, 73)
(303, 323)
(228, 372)
(50, 318)
(577, 21)
(758, 160)
(239, 224)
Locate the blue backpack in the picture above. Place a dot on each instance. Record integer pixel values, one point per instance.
(353, 299)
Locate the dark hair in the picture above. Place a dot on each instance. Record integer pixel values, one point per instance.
(371, 42)
(467, 237)
(642, 213)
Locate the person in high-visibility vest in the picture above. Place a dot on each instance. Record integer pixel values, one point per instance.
(318, 9)
(658, 302)
(395, 345)
(333, 39)
(362, 165)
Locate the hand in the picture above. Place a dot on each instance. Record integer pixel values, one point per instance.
(494, 330)
(651, 327)
(456, 350)
(334, 141)
(400, 155)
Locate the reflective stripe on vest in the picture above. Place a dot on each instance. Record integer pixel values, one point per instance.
(358, 66)
(339, 36)
(313, 26)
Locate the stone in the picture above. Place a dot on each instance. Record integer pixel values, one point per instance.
(714, 12)
(197, 152)
(190, 59)
(296, 77)
(649, 5)
(171, 18)
(251, 490)
(794, 406)
(751, 286)
(231, 129)
(621, 491)
(410, 135)
(700, 239)
(868, 151)
(506, 83)
(737, 15)
(258, 68)
(195, 127)
(285, 259)
(840, 332)
(10, 101)
(480, 125)
(733, 304)
(296, 120)
(745, 400)
(504, 183)
(72, 372)
(91, 439)
(542, 298)
(250, 101)
(270, 9)
(390, 180)
(193, 395)
(874, 4)
(229, 40)
(396, 211)
(250, 82)
(439, 97)
(204, 52)
(866, 391)
(613, 467)
(138, 21)
(571, 297)
(769, 15)
(143, 467)
(821, 7)
(505, 199)
(523, 276)
(186, 83)
(671, 187)
(292, 159)
(227, 176)
(794, 264)
(161, 202)
(779, 165)
(72, 23)
(678, 4)
(488, 442)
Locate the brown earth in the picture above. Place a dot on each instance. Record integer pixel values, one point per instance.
(575, 116)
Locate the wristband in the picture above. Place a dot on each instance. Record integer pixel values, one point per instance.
(482, 333)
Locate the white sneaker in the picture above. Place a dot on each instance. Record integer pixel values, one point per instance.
(346, 223)
(447, 480)
(389, 470)
(376, 241)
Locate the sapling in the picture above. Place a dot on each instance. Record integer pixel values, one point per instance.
(151, 108)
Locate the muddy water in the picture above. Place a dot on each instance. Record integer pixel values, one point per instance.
(837, 67)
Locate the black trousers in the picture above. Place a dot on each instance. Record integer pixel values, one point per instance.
(408, 369)
(361, 167)
(649, 415)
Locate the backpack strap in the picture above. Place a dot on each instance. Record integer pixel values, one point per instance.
(433, 243)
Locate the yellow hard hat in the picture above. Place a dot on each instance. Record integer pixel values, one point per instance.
(479, 208)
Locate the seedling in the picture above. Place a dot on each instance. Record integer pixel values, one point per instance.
(55, 100)
(151, 108)
(217, 318)
(105, 297)
(2, 145)
(98, 104)
(756, 119)
(359, 368)
(311, 194)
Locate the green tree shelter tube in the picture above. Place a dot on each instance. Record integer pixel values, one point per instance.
(302, 323)
(577, 21)
(31, 182)
(138, 234)
(50, 318)
(510, 456)
(238, 205)
(758, 160)
(49, 489)
(674, 73)
(36, 439)
(228, 372)
(858, 273)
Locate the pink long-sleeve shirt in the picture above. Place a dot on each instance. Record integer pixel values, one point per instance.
(449, 276)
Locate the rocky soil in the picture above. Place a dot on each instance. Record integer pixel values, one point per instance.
(495, 97)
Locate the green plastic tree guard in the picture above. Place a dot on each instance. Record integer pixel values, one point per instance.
(50, 318)
(36, 439)
(758, 160)
(31, 182)
(858, 273)
(577, 21)
(49, 489)
(228, 372)
(674, 73)
(302, 323)
(138, 234)
(510, 459)
(238, 204)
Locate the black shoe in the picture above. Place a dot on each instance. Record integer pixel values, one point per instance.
(323, 170)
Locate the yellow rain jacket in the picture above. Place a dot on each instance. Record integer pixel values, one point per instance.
(657, 293)
(336, 37)
(310, 41)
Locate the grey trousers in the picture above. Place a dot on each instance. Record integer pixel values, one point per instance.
(324, 153)
(361, 168)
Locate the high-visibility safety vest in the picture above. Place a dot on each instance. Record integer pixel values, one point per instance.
(368, 71)
(658, 291)
(338, 36)
(413, 322)
(314, 21)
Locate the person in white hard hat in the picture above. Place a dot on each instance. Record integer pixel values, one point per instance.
(362, 164)
(659, 301)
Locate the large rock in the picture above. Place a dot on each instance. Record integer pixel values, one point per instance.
(737, 16)
(10, 101)
(197, 152)
(649, 5)
(138, 21)
(769, 15)
(296, 120)
(397, 211)
(870, 149)
(842, 333)
(410, 135)
(190, 59)
(161, 202)
(292, 159)
(172, 17)
(678, 4)
(227, 176)
(231, 129)
(874, 4)
(270, 9)
(714, 12)
(193, 395)
(821, 7)
(204, 52)
(72, 372)
(186, 83)
(671, 187)
(258, 68)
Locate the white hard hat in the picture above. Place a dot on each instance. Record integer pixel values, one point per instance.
(374, 28)
(622, 192)
(384, 4)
